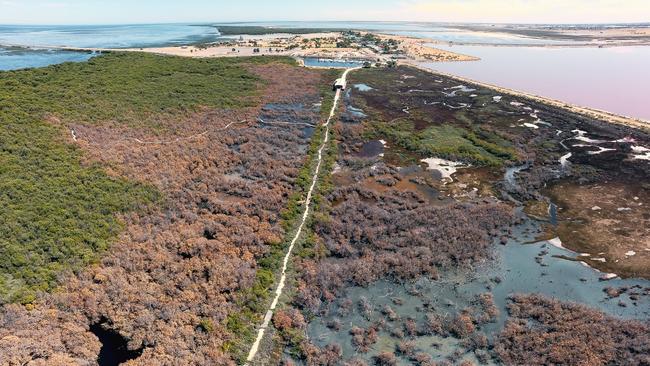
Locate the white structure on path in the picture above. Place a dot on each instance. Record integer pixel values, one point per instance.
(340, 84)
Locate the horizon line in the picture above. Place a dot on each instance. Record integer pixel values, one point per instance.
(213, 23)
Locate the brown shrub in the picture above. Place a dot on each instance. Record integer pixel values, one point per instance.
(462, 325)
(546, 331)
(385, 359)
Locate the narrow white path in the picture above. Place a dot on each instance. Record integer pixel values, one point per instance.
(179, 139)
(165, 142)
(285, 263)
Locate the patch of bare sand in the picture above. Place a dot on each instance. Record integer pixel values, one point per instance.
(418, 50)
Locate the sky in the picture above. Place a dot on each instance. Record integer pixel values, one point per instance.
(176, 11)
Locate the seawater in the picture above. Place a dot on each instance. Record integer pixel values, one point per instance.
(106, 36)
(42, 41)
(14, 58)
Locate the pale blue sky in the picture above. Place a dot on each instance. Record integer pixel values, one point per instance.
(152, 11)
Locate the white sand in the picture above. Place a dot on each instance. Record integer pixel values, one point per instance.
(564, 160)
(460, 105)
(641, 153)
(556, 242)
(446, 167)
(600, 150)
(608, 276)
(581, 137)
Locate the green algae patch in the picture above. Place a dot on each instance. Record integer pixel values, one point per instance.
(446, 141)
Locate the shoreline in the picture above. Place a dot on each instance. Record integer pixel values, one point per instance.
(585, 111)
(424, 42)
(195, 52)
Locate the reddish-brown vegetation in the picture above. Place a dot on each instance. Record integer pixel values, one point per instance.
(406, 348)
(46, 336)
(330, 355)
(423, 359)
(288, 319)
(386, 359)
(174, 277)
(462, 325)
(363, 339)
(542, 331)
(370, 236)
(370, 232)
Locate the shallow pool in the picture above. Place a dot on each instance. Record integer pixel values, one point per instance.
(517, 268)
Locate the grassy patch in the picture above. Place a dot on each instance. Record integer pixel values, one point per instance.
(57, 215)
(447, 141)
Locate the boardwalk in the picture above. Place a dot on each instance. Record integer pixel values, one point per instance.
(280, 289)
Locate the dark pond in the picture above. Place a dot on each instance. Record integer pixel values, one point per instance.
(371, 149)
(114, 349)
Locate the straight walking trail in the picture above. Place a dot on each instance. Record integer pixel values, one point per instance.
(285, 263)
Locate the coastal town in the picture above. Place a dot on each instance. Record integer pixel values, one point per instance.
(361, 46)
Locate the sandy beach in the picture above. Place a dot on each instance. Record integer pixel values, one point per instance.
(417, 49)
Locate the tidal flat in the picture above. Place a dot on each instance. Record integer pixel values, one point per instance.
(567, 158)
(484, 256)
